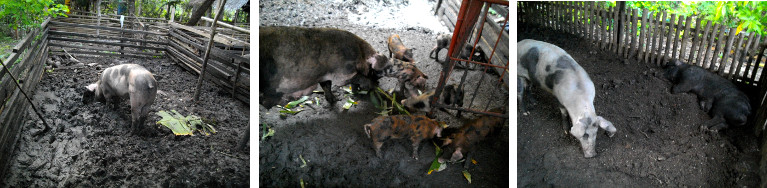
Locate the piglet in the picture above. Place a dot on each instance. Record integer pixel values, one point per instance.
(416, 128)
(552, 69)
(460, 142)
(718, 96)
(451, 95)
(126, 80)
(408, 75)
(443, 42)
(398, 50)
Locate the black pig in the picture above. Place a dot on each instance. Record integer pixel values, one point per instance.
(717, 96)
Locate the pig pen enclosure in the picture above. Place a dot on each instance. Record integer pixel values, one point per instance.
(325, 145)
(659, 142)
(91, 145)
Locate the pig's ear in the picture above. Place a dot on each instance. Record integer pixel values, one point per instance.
(447, 141)
(677, 62)
(378, 62)
(91, 87)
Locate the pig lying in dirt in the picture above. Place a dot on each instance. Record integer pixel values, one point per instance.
(292, 60)
(398, 50)
(718, 96)
(126, 80)
(552, 69)
(416, 128)
(461, 141)
(407, 75)
(452, 94)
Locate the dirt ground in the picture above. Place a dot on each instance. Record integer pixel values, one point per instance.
(92, 146)
(331, 140)
(658, 143)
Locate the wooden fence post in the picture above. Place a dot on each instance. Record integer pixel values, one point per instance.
(684, 34)
(633, 48)
(719, 40)
(669, 40)
(620, 6)
(751, 57)
(695, 40)
(708, 43)
(643, 45)
(677, 32)
(207, 51)
(737, 47)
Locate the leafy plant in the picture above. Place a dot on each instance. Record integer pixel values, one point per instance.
(27, 14)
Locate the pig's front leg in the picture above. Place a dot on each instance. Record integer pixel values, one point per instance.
(467, 160)
(416, 143)
(326, 86)
(682, 87)
(715, 124)
(705, 104)
(521, 86)
(377, 146)
(565, 119)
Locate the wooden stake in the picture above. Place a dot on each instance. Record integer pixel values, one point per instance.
(219, 14)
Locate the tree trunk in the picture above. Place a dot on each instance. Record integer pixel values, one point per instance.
(198, 12)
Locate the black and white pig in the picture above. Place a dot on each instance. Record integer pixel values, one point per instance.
(292, 60)
(126, 80)
(552, 69)
(718, 96)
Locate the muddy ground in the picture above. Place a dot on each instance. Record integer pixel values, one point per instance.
(331, 140)
(658, 143)
(92, 146)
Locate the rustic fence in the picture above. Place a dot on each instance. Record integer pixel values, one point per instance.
(80, 34)
(26, 64)
(137, 37)
(471, 24)
(633, 33)
(447, 11)
(230, 66)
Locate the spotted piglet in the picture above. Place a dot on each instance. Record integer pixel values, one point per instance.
(463, 140)
(552, 69)
(416, 128)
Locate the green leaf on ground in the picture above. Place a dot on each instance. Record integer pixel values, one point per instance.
(181, 125)
(267, 131)
(436, 165)
(295, 103)
(349, 103)
(302, 160)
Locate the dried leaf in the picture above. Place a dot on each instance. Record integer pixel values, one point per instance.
(473, 161)
(467, 175)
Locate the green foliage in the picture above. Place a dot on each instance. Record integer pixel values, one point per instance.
(25, 14)
(743, 15)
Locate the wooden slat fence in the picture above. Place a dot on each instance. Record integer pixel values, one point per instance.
(227, 68)
(26, 64)
(655, 38)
